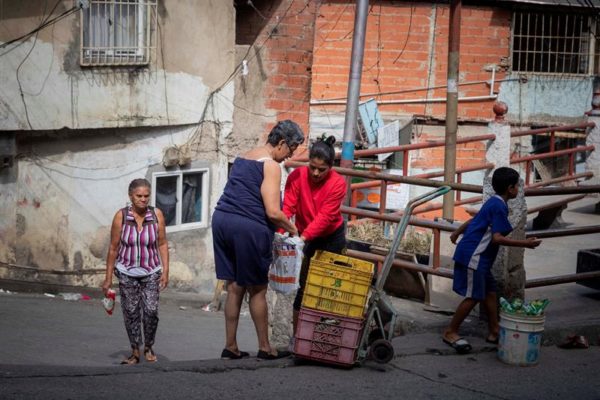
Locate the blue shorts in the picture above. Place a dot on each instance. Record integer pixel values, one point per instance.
(473, 283)
(243, 249)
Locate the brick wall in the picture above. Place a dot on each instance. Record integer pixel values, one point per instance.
(286, 43)
(399, 58)
(467, 154)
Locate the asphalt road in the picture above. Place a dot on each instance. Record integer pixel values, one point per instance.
(56, 349)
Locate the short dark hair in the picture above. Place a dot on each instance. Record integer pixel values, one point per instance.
(323, 150)
(286, 130)
(503, 178)
(136, 183)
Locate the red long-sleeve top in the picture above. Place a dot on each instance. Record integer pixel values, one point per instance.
(316, 206)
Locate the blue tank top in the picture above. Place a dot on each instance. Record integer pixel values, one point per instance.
(242, 195)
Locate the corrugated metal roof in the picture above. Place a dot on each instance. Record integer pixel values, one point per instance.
(567, 3)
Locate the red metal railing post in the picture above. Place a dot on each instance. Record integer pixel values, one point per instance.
(382, 197)
(405, 163)
(527, 172)
(436, 248)
(571, 164)
(354, 202)
(458, 180)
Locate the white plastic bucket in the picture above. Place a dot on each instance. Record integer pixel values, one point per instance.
(520, 338)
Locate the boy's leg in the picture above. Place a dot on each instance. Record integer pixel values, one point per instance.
(492, 310)
(462, 311)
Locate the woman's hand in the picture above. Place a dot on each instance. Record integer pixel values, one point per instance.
(164, 281)
(106, 285)
(293, 231)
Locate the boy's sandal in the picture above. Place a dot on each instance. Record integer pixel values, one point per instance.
(133, 359)
(460, 345)
(149, 355)
(492, 341)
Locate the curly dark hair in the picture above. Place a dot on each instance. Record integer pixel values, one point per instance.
(286, 130)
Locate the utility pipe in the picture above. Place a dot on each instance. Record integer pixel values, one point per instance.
(407, 101)
(452, 106)
(356, 64)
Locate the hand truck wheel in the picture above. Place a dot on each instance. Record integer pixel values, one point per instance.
(381, 351)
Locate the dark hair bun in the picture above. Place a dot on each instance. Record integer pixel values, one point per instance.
(328, 140)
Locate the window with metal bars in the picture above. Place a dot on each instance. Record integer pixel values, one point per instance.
(555, 43)
(118, 32)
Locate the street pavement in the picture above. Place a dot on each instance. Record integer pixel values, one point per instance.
(56, 349)
(51, 348)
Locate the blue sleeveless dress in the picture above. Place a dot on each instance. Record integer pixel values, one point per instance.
(242, 233)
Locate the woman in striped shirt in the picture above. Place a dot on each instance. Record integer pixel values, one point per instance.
(139, 256)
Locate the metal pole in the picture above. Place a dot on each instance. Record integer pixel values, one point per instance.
(452, 106)
(356, 63)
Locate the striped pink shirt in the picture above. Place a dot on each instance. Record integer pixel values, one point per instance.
(139, 249)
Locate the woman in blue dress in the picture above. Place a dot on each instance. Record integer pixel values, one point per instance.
(243, 225)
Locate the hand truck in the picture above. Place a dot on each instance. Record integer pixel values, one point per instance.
(376, 338)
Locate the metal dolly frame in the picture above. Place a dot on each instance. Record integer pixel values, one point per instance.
(376, 341)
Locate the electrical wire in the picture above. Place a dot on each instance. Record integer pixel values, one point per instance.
(39, 28)
(407, 34)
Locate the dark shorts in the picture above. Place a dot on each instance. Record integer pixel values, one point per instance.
(243, 249)
(473, 283)
(334, 243)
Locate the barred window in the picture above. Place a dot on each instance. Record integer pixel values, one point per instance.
(555, 43)
(118, 32)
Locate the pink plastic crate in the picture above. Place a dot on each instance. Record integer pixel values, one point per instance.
(327, 337)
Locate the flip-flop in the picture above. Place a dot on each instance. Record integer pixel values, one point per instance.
(460, 345)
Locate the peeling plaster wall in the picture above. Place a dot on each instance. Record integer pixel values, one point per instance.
(547, 99)
(59, 199)
(67, 191)
(194, 37)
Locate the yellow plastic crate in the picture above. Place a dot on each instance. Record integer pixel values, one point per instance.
(338, 284)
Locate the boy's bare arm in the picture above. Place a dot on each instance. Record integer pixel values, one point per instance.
(454, 235)
(530, 243)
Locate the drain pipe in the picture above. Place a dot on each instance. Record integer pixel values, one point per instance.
(452, 106)
(356, 64)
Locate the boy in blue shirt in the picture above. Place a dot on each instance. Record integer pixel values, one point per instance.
(475, 255)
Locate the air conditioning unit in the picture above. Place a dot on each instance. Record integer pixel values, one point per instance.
(8, 149)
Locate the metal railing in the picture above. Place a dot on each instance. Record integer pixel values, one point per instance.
(382, 180)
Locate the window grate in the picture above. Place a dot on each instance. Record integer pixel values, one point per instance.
(118, 32)
(554, 43)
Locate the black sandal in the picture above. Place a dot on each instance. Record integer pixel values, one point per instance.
(228, 354)
(263, 355)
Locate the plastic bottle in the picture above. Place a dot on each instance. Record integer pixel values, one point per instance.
(109, 301)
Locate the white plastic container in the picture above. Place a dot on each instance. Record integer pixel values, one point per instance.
(520, 338)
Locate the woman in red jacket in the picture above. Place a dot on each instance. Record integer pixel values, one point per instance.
(314, 194)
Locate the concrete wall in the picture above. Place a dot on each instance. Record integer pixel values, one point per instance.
(66, 185)
(194, 36)
(547, 99)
